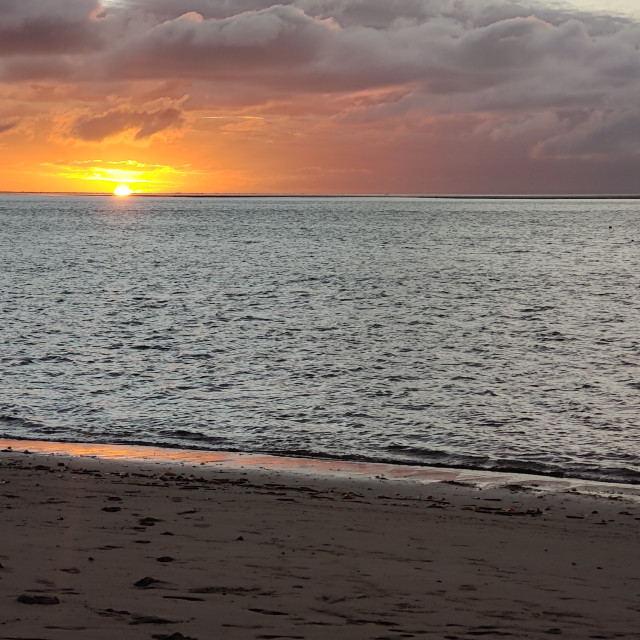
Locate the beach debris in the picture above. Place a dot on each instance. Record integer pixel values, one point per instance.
(269, 612)
(482, 630)
(143, 583)
(515, 488)
(111, 509)
(165, 559)
(151, 620)
(438, 502)
(149, 522)
(237, 591)
(112, 613)
(499, 511)
(515, 512)
(458, 483)
(173, 636)
(27, 599)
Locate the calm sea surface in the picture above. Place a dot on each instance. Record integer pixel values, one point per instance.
(497, 334)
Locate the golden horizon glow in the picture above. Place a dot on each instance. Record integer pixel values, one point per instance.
(122, 190)
(104, 175)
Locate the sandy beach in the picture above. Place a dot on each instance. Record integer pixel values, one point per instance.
(95, 544)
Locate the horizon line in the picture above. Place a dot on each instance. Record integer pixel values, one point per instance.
(433, 196)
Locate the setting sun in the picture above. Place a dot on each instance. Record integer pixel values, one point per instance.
(122, 190)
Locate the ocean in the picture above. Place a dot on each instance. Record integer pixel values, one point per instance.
(487, 334)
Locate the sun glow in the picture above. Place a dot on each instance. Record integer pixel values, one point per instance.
(104, 176)
(122, 190)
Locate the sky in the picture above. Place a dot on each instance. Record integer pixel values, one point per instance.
(320, 96)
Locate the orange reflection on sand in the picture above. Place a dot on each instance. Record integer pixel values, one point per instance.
(230, 460)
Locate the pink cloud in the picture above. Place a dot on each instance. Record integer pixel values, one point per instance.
(139, 124)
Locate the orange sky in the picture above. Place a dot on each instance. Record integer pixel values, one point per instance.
(317, 97)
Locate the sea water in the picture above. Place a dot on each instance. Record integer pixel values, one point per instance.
(491, 334)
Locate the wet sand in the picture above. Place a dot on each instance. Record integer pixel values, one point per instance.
(130, 543)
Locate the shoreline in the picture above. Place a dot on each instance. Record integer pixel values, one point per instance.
(96, 545)
(319, 467)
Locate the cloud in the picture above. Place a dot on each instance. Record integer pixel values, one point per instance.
(137, 124)
(453, 49)
(53, 26)
(476, 54)
(249, 45)
(508, 127)
(7, 126)
(601, 134)
(534, 79)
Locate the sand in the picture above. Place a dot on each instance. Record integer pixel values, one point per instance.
(104, 543)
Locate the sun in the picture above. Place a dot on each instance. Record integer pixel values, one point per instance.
(122, 190)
